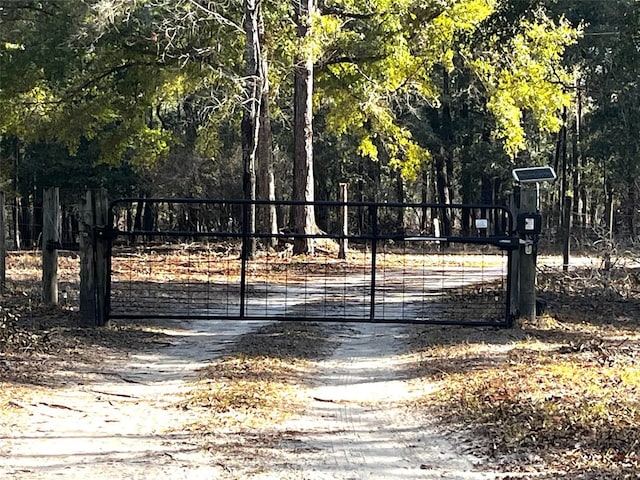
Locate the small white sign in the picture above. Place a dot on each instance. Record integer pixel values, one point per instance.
(482, 223)
(529, 224)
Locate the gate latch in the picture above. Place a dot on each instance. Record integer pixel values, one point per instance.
(528, 246)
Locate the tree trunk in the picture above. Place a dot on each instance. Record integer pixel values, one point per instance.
(609, 209)
(26, 222)
(443, 193)
(137, 222)
(425, 197)
(557, 165)
(576, 180)
(50, 242)
(17, 234)
(632, 200)
(344, 221)
(250, 118)
(303, 188)
(3, 245)
(445, 157)
(565, 212)
(400, 199)
(266, 179)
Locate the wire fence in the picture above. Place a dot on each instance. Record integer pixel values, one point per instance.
(23, 224)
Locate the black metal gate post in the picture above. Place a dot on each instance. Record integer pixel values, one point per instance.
(245, 250)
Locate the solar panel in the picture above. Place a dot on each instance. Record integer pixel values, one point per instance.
(534, 174)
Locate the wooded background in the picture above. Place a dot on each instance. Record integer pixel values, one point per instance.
(426, 100)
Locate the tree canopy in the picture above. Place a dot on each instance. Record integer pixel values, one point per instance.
(437, 98)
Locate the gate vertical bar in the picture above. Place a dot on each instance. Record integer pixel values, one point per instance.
(374, 251)
(244, 254)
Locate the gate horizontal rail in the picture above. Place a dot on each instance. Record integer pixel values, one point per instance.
(187, 258)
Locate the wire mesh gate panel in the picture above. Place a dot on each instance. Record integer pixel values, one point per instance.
(404, 263)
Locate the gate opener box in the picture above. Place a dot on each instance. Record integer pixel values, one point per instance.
(529, 223)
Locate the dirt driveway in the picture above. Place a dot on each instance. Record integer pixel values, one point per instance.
(115, 413)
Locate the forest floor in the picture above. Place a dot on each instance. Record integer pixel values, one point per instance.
(236, 400)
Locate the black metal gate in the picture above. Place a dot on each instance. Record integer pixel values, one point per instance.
(372, 262)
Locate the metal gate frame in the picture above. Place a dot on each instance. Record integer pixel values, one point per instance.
(505, 240)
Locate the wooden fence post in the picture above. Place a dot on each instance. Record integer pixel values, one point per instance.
(514, 207)
(94, 272)
(527, 263)
(3, 243)
(566, 232)
(344, 221)
(50, 243)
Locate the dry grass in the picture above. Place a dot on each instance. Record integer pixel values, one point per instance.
(577, 416)
(561, 396)
(257, 384)
(245, 392)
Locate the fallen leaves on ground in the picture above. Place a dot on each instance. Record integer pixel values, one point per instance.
(257, 384)
(560, 396)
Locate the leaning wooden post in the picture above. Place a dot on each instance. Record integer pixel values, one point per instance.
(93, 259)
(3, 243)
(50, 243)
(344, 221)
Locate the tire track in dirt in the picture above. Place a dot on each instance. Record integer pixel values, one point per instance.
(356, 426)
(116, 417)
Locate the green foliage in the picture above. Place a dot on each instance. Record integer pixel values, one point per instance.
(121, 62)
(398, 83)
(386, 55)
(48, 164)
(525, 74)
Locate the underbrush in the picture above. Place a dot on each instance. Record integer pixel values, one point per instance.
(558, 399)
(577, 417)
(14, 337)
